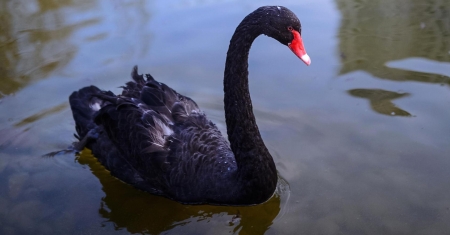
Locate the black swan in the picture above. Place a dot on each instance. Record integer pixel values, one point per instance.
(159, 141)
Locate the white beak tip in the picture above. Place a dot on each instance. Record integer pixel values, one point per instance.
(305, 58)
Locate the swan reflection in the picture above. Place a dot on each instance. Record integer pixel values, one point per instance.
(139, 212)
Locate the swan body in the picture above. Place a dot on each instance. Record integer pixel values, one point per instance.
(159, 141)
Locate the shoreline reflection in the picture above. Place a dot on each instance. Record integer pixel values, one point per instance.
(381, 100)
(373, 33)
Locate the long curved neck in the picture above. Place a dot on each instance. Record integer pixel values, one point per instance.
(243, 134)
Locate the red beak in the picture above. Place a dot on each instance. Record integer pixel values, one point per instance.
(297, 47)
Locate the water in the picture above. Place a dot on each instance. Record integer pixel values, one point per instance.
(362, 136)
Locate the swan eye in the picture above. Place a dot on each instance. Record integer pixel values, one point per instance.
(290, 28)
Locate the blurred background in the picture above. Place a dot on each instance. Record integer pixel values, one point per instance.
(361, 137)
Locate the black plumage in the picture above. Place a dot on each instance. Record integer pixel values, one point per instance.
(159, 141)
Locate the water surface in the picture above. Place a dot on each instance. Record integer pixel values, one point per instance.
(362, 136)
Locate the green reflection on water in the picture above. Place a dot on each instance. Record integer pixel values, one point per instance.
(35, 40)
(375, 32)
(140, 212)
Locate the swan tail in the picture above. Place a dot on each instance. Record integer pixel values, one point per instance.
(85, 104)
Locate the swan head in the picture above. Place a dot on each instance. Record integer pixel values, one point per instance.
(283, 25)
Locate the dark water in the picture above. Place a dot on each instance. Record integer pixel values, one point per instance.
(362, 136)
